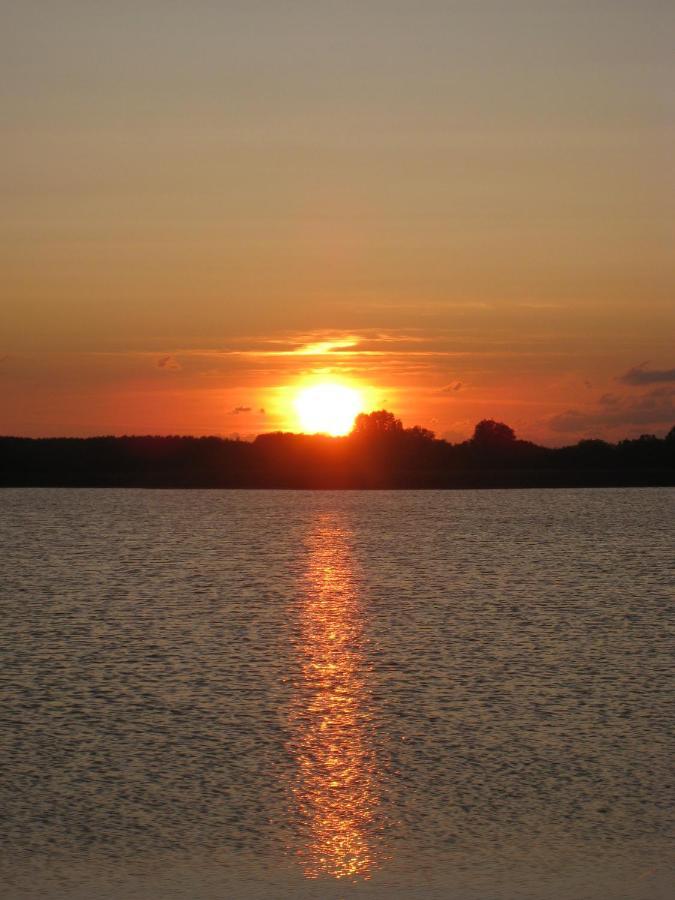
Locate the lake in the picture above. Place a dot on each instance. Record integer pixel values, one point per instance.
(463, 695)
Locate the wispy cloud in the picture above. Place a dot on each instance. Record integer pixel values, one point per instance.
(319, 345)
(641, 375)
(242, 410)
(170, 363)
(322, 347)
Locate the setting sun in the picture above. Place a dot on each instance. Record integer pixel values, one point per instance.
(328, 408)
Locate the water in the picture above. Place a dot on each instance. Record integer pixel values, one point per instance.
(458, 695)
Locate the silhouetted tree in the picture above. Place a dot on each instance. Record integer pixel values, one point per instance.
(421, 434)
(380, 422)
(592, 452)
(489, 434)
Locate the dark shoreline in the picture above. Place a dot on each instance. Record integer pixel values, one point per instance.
(406, 459)
(329, 489)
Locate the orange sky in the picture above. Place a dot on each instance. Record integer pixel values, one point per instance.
(465, 208)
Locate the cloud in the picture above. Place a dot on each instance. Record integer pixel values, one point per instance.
(641, 375)
(170, 363)
(241, 409)
(319, 348)
(293, 345)
(369, 343)
(656, 407)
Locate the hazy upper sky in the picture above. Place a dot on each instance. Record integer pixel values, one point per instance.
(466, 207)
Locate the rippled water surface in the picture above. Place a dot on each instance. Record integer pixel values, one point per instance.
(462, 695)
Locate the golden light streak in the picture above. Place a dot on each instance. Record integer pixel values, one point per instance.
(335, 792)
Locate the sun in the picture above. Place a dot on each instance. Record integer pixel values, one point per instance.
(328, 408)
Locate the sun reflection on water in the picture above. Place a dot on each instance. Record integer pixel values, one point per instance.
(335, 791)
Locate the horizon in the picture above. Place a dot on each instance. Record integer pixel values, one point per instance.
(335, 437)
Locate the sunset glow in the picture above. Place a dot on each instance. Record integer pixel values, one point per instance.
(210, 212)
(328, 408)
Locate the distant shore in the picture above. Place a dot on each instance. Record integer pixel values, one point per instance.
(379, 454)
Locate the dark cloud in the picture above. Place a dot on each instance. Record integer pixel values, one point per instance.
(241, 409)
(641, 375)
(170, 363)
(656, 407)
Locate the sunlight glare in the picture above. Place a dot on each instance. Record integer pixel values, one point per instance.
(328, 408)
(336, 788)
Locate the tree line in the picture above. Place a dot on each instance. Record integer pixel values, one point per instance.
(378, 453)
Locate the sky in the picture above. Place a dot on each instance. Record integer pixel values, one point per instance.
(465, 209)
